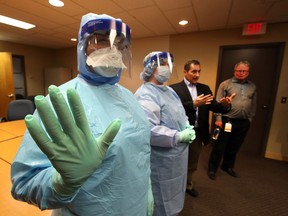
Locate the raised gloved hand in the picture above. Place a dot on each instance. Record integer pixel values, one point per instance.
(189, 126)
(68, 142)
(187, 135)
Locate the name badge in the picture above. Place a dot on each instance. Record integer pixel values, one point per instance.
(228, 127)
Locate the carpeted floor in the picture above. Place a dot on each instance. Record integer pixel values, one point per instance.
(260, 190)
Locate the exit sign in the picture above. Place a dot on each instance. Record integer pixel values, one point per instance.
(254, 28)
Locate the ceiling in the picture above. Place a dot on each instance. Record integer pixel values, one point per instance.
(147, 18)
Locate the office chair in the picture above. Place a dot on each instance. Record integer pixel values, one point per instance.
(3, 119)
(18, 109)
(32, 98)
(19, 96)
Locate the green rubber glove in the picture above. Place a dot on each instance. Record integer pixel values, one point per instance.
(150, 207)
(189, 126)
(69, 144)
(187, 135)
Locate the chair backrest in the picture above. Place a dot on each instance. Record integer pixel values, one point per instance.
(32, 98)
(18, 109)
(19, 96)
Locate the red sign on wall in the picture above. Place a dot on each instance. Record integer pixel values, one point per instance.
(254, 28)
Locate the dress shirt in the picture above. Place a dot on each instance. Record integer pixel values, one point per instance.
(244, 103)
(193, 92)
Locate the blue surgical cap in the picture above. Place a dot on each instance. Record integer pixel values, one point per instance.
(152, 61)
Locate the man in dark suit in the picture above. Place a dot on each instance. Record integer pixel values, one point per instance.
(197, 100)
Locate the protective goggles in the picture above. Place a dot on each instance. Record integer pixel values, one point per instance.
(103, 40)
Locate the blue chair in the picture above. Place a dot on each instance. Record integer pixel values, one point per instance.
(18, 109)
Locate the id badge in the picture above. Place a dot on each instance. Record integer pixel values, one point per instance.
(228, 127)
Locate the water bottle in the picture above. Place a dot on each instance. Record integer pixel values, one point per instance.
(216, 133)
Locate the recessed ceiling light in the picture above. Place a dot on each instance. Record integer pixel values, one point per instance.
(56, 3)
(183, 22)
(16, 23)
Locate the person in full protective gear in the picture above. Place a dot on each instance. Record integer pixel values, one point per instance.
(170, 134)
(91, 157)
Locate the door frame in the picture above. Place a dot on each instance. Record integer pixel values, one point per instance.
(281, 47)
(7, 89)
(21, 59)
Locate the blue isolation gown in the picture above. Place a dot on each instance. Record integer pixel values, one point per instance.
(169, 158)
(119, 186)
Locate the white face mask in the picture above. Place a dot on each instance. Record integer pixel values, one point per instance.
(106, 61)
(163, 73)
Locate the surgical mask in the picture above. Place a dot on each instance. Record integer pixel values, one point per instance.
(163, 73)
(106, 61)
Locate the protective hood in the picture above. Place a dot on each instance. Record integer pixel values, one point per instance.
(99, 24)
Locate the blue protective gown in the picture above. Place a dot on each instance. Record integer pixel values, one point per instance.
(120, 185)
(168, 157)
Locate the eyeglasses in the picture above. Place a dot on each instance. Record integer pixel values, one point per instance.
(195, 71)
(242, 71)
(103, 41)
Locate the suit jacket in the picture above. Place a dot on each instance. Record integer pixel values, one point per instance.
(203, 111)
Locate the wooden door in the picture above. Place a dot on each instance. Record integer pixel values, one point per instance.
(7, 82)
(266, 61)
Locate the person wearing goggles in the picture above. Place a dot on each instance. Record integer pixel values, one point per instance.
(171, 134)
(88, 158)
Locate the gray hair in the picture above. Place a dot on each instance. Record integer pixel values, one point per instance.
(242, 62)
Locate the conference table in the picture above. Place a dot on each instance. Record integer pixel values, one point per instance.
(11, 135)
(11, 130)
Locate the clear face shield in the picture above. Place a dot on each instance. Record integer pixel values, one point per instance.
(108, 47)
(160, 60)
